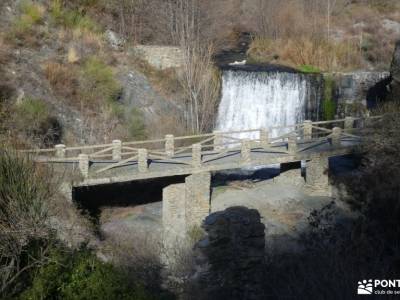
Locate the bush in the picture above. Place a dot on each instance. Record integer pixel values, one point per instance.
(31, 14)
(26, 196)
(33, 118)
(97, 82)
(80, 275)
(71, 18)
(136, 126)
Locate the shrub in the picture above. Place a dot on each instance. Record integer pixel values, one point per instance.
(71, 18)
(27, 192)
(31, 14)
(136, 126)
(62, 78)
(33, 118)
(80, 275)
(97, 82)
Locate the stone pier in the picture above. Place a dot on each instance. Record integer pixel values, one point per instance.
(317, 179)
(185, 206)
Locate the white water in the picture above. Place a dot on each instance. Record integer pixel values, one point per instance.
(252, 100)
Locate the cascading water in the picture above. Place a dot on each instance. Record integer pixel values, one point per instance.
(256, 99)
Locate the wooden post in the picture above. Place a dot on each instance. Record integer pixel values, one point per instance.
(196, 156)
(143, 164)
(169, 145)
(83, 160)
(348, 123)
(60, 151)
(117, 150)
(292, 144)
(245, 152)
(218, 141)
(264, 137)
(307, 130)
(336, 133)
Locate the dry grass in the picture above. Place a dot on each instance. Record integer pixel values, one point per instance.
(62, 78)
(323, 54)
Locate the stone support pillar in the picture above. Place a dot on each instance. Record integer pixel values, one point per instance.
(117, 150)
(336, 133)
(169, 145)
(197, 203)
(317, 179)
(196, 156)
(348, 123)
(60, 151)
(307, 130)
(84, 164)
(143, 164)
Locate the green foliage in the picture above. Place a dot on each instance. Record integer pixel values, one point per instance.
(309, 69)
(31, 14)
(136, 125)
(328, 105)
(98, 81)
(32, 112)
(71, 18)
(80, 275)
(32, 117)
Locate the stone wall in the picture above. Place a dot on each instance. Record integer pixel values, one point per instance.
(160, 57)
(354, 92)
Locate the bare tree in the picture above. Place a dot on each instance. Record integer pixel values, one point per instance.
(198, 76)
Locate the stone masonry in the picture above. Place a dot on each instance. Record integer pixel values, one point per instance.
(317, 180)
(185, 206)
(160, 57)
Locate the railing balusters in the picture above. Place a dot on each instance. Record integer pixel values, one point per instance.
(117, 150)
(307, 130)
(169, 145)
(143, 163)
(196, 156)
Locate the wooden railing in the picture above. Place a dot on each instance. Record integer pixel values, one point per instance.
(299, 137)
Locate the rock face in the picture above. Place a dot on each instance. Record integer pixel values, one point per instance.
(231, 257)
(395, 73)
(139, 94)
(356, 91)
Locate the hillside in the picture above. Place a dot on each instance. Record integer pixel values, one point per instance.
(66, 64)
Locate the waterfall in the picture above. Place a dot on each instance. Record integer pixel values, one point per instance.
(252, 100)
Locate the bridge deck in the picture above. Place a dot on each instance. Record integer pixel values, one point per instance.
(122, 162)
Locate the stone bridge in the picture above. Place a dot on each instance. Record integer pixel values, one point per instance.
(186, 205)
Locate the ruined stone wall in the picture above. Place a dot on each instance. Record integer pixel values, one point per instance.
(160, 57)
(355, 91)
